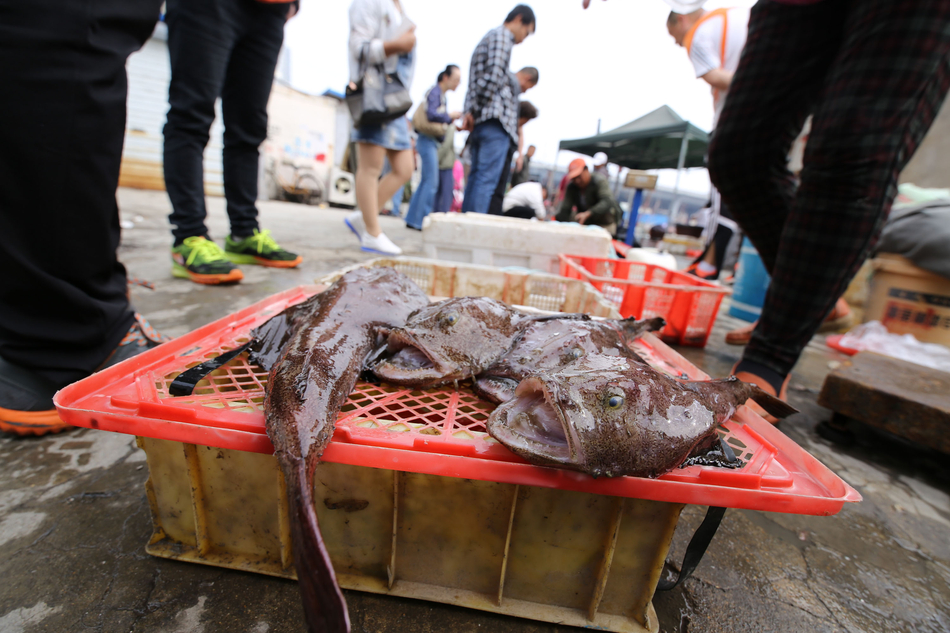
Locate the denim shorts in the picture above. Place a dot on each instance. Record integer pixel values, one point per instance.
(391, 134)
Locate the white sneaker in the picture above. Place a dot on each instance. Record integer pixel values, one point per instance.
(354, 222)
(379, 244)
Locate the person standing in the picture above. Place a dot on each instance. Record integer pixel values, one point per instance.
(713, 41)
(522, 172)
(64, 294)
(445, 195)
(227, 50)
(588, 199)
(427, 145)
(491, 106)
(526, 77)
(873, 75)
(380, 33)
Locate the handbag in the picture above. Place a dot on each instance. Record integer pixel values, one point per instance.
(422, 124)
(377, 97)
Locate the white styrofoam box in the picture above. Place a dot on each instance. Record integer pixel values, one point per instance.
(491, 240)
(653, 256)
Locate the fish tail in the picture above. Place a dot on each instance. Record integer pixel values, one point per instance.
(323, 604)
(771, 404)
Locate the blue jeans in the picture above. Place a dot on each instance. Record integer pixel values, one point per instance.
(423, 198)
(488, 145)
(444, 197)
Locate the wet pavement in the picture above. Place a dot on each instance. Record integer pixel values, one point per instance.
(74, 518)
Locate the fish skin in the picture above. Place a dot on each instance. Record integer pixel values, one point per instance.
(452, 340)
(568, 419)
(318, 368)
(546, 346)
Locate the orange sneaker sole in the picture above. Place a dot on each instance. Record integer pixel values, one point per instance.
(31, 422)
(270, 263)
(213, 280)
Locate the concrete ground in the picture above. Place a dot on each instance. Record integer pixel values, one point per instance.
(74, 518)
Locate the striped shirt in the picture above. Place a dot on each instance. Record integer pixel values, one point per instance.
(492, 90)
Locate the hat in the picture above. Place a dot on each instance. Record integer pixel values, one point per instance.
(600, 159)
(575, 168)
(685, 6)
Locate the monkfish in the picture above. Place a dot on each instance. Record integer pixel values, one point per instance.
(317, 350)
(547, 346)
(613, 415)
(453, 340)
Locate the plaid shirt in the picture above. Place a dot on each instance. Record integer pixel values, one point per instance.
(492, 90)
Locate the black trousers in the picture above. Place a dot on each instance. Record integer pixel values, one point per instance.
(498, 196)
(63, 303)
(523, 212)
(226, 49)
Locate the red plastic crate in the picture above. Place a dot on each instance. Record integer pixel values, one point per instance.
(438, 432)
(688, 303)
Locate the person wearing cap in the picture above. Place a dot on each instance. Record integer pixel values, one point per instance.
(600, 165)
(588, 199)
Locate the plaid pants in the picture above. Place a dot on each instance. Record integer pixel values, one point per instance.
(873, 74)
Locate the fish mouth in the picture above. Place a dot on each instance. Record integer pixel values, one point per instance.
(406, 360)
(532, 423)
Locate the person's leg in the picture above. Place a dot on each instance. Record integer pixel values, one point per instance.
(523, 212)
(498, 195)
(372, 191)
(246, 90)
(780, 75)
(247, 87)
(201, 34)
(63, 290)
(443, 198)
(423, 199)
(368, 195)
(487, 165)
(881, 95)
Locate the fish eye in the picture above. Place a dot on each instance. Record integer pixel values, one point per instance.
(451, 318)
(615, 401)
(576, 353)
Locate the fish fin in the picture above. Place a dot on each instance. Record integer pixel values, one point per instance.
(324, 606)
(771, 404)
(578, 316)
(270, 338)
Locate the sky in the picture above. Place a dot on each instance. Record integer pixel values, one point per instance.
(613, 62)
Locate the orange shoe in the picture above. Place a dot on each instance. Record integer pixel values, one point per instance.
(765, 386)
(693, 269)
(840, 319)
(26, 397)
(203, 262)
(261, 249)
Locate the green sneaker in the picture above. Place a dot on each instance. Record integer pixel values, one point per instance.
(202, 261)
(261, 249)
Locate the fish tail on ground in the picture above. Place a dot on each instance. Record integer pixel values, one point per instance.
(323, 603)
(771, 404)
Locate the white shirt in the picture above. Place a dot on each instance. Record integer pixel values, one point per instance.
(372, 23)
(706, 49)
(527, 194)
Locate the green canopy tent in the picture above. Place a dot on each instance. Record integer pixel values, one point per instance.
(661, 139)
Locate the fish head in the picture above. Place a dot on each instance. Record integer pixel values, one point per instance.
(450, 340)
(578, 417)
(603, 415)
